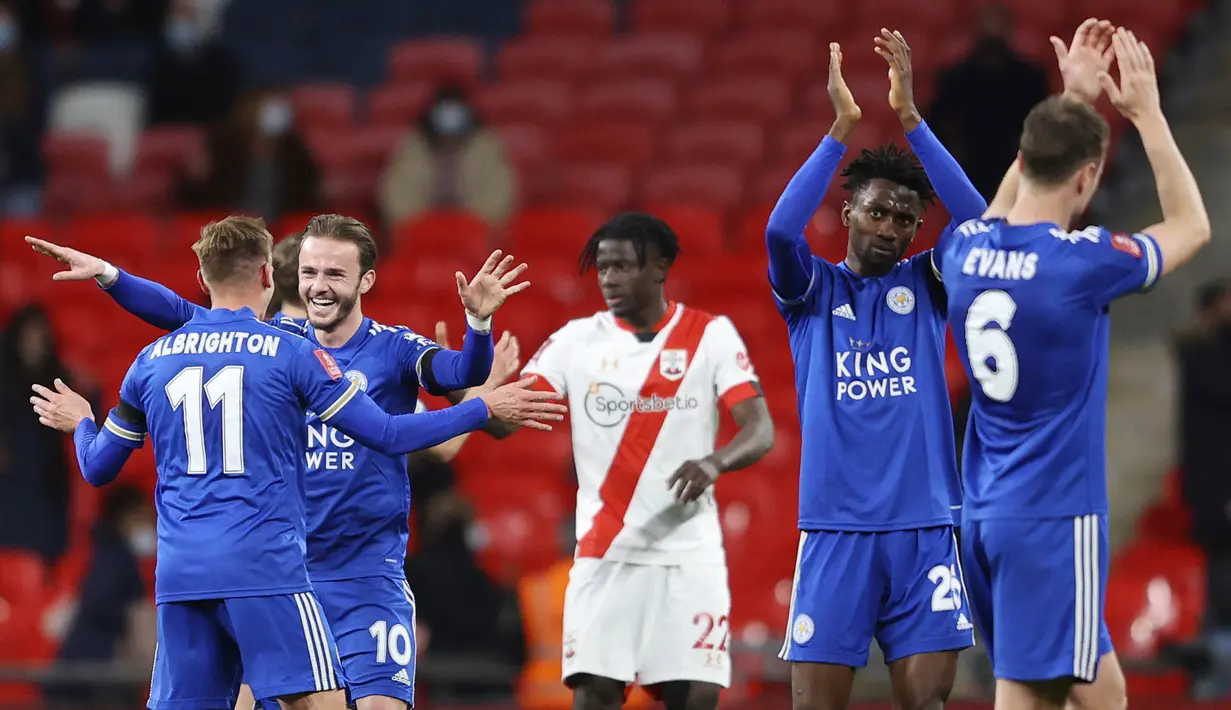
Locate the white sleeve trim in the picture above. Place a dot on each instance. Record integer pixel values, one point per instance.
(341, 401)
(802, 298)
(479, 325)
(109, 276)
(935, 271)
(1154, 265)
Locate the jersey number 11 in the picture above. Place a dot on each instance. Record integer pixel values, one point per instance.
(227, 387)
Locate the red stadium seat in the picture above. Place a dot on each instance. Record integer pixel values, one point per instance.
(463, 233)
(648, 100)
(716, 187)
(729, 143)
(797, 141)
(324, 105)
(439, 61)
(570, 18)
(77, 155)
(128, 239)
(604, 188)
(699, 18)
(527, 101)
(184, 228)
(355, 149)
(791, 14)
(24, 578)
(168, 147)
(351, 190)
(146, 190)
(551, 230)
(525, 145)
(940, 16)
(76, 193)
(750, 232)
(742, 98)
(13, 232)
(615, 143)
(542, 58)
(650, 56)
(699, 229)
(400, 104)
(787, 53)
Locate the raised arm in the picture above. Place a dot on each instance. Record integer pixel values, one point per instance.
(151, 302)
(955, 190)
(1186, 225)
(790, 258)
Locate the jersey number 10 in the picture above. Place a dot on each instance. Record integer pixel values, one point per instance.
(984, 343)
(226, 388)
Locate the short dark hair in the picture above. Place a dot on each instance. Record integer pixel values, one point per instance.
(347, 229)
(1061, 135)
(1210, 294)
(286, 272)
(637, 227)
(889, 162)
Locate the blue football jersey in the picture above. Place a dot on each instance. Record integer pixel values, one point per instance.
(358, 500)
(1029, 306)
(878, 443)
(223, 401)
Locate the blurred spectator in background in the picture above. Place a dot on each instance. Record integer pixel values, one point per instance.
(460, 611)
(115, 619)
(20, 172)
(194, 79)
(449, 159)
(982, 101)
(1205, 447)
(257, 162)
(34, 465)
(111, 20)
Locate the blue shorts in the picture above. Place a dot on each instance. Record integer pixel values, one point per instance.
(1037, 590)
(903, 588)
(373, 619)
(280, 645)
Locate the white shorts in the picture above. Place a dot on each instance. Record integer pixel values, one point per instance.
(647, 623)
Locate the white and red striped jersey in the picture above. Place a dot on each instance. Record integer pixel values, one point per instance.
(641, 406)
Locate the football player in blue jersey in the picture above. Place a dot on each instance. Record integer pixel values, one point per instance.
(223, 399)
(357, 526)
(877, 555)
(1029, 301)
(286, 302)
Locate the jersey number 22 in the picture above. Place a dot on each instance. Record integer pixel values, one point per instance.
(226, 388)
(984, 343)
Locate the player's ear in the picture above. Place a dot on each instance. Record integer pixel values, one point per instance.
(201, 282)
(846, 214)
(267, 275)
(367, 281)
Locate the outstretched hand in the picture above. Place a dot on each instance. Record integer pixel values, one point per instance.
(1082, 61)
(846, 112)
(893, 49)
(81, 266)
(61, 409)
(1137, 95)
(488, 290)
(518, 404)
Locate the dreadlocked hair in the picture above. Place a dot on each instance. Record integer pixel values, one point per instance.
(637, 227)
(889, 162)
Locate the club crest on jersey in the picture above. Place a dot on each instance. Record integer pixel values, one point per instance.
(358, 378)
(672, 364)
(901, 300)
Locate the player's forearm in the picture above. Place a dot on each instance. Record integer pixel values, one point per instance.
(749, 445)
(468, 367)
(1186, 225)
(151, 302)
(1006, 194)
(364, 421)
(100, 460)
(446, 452)
(954, 189)
(790, 260)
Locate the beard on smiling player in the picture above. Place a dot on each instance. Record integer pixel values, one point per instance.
(326, 308)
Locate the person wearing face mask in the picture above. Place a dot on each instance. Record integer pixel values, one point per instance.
(194, 79)
(449, 160)
(982, 100)
(114, 622)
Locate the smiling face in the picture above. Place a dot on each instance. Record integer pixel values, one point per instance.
(331, 280)
(883, 218)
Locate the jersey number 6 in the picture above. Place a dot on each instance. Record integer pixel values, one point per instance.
(984, 343)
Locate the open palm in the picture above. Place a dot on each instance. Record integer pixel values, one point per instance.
(1085, 58)
(487, 291)
(81, 266)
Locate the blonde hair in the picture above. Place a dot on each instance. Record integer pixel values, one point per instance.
(233, 249)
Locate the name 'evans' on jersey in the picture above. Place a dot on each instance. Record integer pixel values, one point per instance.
(215, 343)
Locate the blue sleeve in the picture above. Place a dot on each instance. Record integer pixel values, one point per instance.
(954, 189)
(152, 302)
(341, 403)
(444, 371)
(791, 271)
(1116, 265)
(100, 456)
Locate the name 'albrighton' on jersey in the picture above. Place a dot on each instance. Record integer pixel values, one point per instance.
(1023, 298)
(861, 463)
(215, 343)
